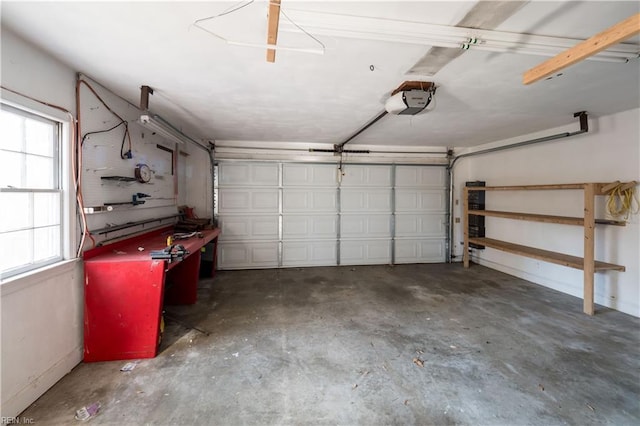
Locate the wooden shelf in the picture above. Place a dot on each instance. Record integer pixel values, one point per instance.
(119, 178)
(599, 187)
(527, 187)
(546, 255)
(588, 222)
(565, 220)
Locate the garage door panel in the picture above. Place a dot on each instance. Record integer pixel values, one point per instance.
(304, 226)
(413, 176)
(421, 205)
(379, 201)
(324, 226)
(413, 225)
(324, 200)
(265, 254)
(242, 227)
(265, 174)
(245, 200)
(366, 176)
(420, 251)
(248, 174)
(307, 200)
(230, 200)
(309, 253)
(423, 200)
(300, 208)
(234, 174)
(406, 250)
(238, 255)
(369, 200)
(365, 252)
(352, 200)
(264, 200)
(309, 175)
(371, 226)
(295, 227)
(234, 229)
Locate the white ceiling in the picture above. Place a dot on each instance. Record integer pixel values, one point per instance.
(219, 91)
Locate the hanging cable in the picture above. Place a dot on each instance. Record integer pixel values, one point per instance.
(78, 179)
(127, 135)
(622, 201)
(123, 154)
(78, 166)
(100, 131)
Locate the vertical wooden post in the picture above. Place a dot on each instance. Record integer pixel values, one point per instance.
(272, 28)
(589, 247)
(465, 226)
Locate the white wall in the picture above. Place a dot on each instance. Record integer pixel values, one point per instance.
(101, 158)
(609, 152)
(41, 333)
(41, 313)
(41, 316)
(194, 183)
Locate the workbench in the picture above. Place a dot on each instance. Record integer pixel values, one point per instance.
(125, 289)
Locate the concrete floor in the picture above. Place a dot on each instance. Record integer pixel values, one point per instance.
(337, 346)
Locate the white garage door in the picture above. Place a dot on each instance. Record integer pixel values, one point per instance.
(299, 214)
(365, 215)
(420, 214)
(248, 215)
(309, 215)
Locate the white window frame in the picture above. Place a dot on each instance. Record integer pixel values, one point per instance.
(65, 182)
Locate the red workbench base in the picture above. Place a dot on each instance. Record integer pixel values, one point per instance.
(181, 283)
(125, 290)
(122, 321)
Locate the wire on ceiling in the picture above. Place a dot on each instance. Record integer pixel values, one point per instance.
(302, 29)
(232, 9)
(242, 5)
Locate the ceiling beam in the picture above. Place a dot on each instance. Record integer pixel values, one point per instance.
(272, 28)
(485, 15)
(613, 35)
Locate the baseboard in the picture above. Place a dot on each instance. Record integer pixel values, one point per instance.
(572, 289)
(15, 404)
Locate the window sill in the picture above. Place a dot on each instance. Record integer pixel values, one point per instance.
(22, 281)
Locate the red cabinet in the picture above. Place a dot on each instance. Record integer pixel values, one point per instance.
(124, 291)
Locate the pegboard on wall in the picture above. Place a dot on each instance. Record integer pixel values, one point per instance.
(194, 180)
(125, 178)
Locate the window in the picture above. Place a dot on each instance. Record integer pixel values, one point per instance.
(30, 191)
